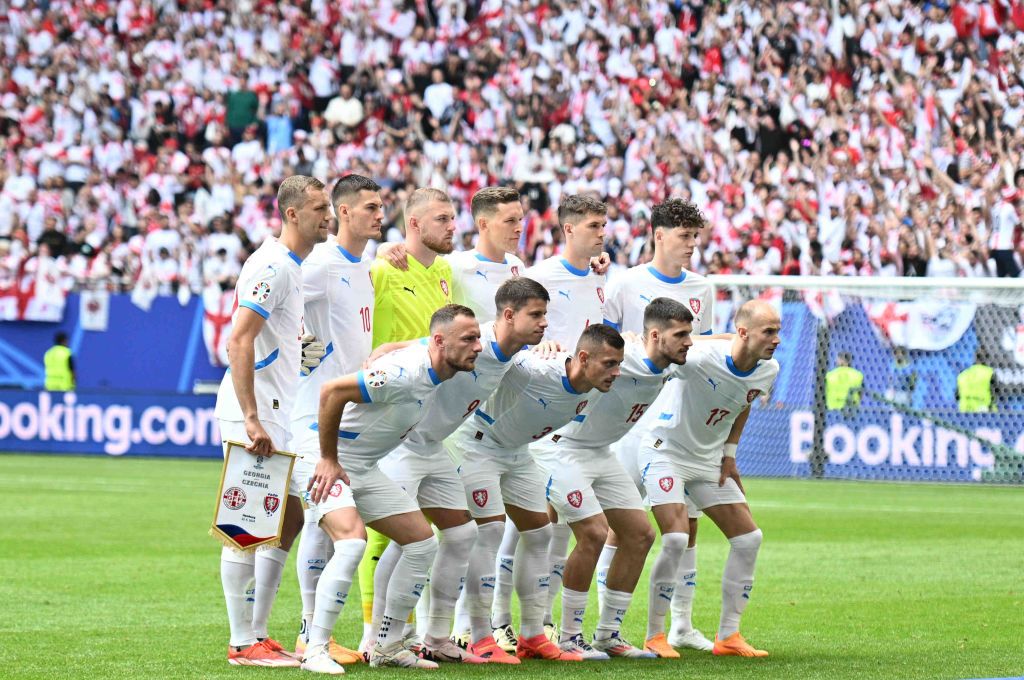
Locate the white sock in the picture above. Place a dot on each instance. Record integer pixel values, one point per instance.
(603, 563)
(531, 578)
(419, 625)
(501, 614)
(574, 608)
(738, 580)
(269, 568)
(332, 589)
(448, 578)
(310, 560)
(480, 579)
(613, 613)
(405, 588)
(461, 626)
(558, 553)
(381, 575)
(686, 588)
(662, 581)
(238, 580)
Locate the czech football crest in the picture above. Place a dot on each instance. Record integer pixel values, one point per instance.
(444, 287)
(600, 295)
(271, 502)
(666, 483)
(752, 395)
(515, 270)
(580, 406)
(480, 497)
(695, 305)
(575, 498)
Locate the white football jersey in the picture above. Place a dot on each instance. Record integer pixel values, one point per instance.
(269, 284)
(577, 298)
(714, 392)
(631, 291)
(395, 390)
(533, 400)
(477, 280)
(338, 296)
(610, 415)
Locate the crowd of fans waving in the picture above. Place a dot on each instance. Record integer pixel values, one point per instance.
(818, 137)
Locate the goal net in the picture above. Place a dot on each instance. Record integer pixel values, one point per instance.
(928, 407)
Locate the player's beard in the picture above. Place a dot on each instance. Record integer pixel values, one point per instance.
(439, 245)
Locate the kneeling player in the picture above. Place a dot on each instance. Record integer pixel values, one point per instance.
(694, 448)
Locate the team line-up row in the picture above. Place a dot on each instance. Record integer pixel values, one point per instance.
(509, 407)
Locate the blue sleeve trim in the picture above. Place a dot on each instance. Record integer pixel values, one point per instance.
(255, 307)
(580, 418)
(484, 417)
(609, 322)
(271, 358)
(665, 416)
(345, 434)
(708, 332)
(361, 379)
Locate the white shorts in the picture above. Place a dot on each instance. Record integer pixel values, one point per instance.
(377, 496)
(636, 460)
(493, 477)
(667, 480)
(305, 440)
(339, 497)
(582, 484)
(431, 481)
(233, 430)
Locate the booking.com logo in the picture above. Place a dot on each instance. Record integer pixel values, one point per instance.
(61, 418)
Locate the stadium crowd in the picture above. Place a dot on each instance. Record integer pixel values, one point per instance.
(839, 137)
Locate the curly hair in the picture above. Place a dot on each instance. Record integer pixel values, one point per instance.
(676, 212)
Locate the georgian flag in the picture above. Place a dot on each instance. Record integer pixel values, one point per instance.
(94, 310)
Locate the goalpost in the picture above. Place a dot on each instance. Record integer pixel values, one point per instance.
(910, 338)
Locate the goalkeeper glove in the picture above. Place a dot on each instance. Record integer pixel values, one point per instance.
(313, 352)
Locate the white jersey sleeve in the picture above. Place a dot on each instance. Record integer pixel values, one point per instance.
(477, 279)
(269, 285)
(394, 391)
(577, 299)
(712, 394)
(338, 296)
(458, 398)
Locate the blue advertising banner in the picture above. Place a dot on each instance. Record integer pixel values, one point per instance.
(114, 425)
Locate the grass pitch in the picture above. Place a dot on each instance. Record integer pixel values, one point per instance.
(107, 571)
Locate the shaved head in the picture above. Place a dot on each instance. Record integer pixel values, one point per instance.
(755, 312)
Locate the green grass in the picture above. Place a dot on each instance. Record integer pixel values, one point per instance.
(106, 570)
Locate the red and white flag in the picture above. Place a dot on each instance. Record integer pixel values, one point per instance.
(923, 324)
(94, 310)
(218, 306)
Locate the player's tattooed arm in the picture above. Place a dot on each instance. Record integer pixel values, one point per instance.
(393, 254)
(729, 469)
(242, 357)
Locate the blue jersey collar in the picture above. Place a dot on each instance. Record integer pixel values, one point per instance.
(480, 257)
(731, 365)
(667, 279)
(347, 255)
(572, 270)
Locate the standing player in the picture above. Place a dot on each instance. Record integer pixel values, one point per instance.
(421, 466)
(403, 304)
(338, 297)
(387, 401)
(676, 224)
(535, 398)
(255, 398)
(694, 445)
(577, 300)
(589, 488)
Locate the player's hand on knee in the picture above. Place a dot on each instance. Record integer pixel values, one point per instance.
(313, 352)
(261, 444)
(394, 254)
(601, 264)
(730, 471)
(327, 472)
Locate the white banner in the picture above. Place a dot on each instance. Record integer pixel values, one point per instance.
(924, 324)
(94, 310)
(250, 502)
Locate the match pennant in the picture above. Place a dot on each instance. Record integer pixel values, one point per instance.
(250, 502)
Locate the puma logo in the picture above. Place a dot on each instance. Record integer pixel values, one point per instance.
(409, 289)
